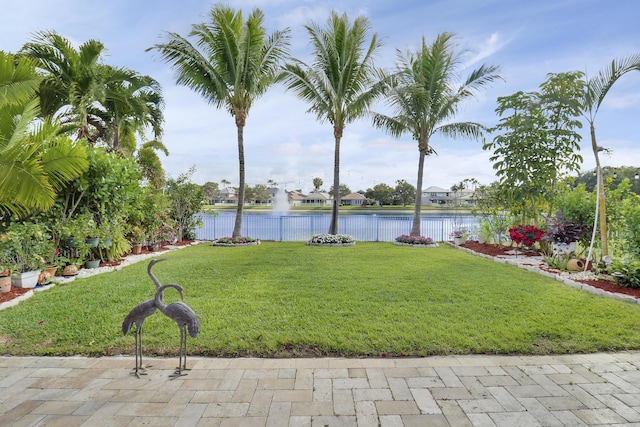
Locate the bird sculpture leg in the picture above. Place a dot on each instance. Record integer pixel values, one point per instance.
(179, 369)
(140, 368)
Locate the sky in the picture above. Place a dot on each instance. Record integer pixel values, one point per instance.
(284, 143)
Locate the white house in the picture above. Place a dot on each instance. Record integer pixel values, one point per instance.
(353, 199)
(437, 196)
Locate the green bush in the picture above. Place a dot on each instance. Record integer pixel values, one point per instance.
(626, 272)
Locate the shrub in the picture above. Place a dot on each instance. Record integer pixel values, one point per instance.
(626, 272)
(562, 230)
(414, 240)
(331, 239)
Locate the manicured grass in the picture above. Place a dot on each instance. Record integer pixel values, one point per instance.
(284, 299)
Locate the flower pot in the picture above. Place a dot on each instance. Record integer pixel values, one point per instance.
(70, 270)
(52, 270)
(154, 247)
(561, 248)
(70, 242)
(458, 241)
(575, 264)
(136, 249)
(93, 241)
(28, 279)
(92, 263)
(107, 242)
(5, 284)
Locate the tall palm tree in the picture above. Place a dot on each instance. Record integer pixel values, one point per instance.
(426, 95)
(132, 104)
(35, 160)
(596, 90)
(231, 64)
(73, 80)
(340, 84)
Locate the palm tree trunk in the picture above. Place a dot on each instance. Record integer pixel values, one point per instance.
(237, 228)
(333, 226)
(415, 229)
(116, 139)
(602, 205)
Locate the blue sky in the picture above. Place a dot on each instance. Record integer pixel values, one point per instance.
(286, 144)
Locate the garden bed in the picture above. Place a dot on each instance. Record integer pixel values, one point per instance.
(599, 282)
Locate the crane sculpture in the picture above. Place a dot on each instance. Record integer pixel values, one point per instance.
(186, 319)
(138, 315)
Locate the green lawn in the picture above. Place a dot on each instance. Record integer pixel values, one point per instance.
(287, 299)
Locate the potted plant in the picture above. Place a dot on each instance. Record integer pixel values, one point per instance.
(136, 238)
(23, 245)
(525, 235)
(459, 236)
(564, 233)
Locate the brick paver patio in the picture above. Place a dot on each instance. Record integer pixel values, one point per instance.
(578, 390)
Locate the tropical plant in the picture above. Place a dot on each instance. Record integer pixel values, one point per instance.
(340, 84)
(35, 160)
(425, 95)
(73, 82)
(231, 64)
(595, 91)
(562, 230)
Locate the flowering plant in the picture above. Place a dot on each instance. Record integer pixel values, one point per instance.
(459, 232)
(414, 240)
(563, 230)
(528, 235)
(235, 240)
(331, 239)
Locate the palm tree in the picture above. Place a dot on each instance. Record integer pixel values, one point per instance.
(132, 103)
(231, 64)
(35, 160)
(149, 162)
(340, 84)
(596, 90)
(73, 80)
(425, 94)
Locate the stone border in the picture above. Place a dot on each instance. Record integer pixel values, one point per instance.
(331, 244)
(561, 277)
(87, 272)
(431, 245)
(233, 245)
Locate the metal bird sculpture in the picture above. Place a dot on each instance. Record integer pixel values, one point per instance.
(186, 320)
(138, 315)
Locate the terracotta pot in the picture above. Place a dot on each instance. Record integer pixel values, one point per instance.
(575, 264)
(52, 270)
(5, 284)
(136, 249)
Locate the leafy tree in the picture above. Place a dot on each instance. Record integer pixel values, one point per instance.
(185, 199)
(344, 190)
(425, 94)
(231, 64)
(404, 192)
(538, 142)
(382, 193)
(36, 162)
(339, 85)
(210, 191)
(595, 91)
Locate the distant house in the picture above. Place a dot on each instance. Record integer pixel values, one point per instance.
(227, 197)
(353, 199)
(437, 196)
(296, 198)
(317, 199)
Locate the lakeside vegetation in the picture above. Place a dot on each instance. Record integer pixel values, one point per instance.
(270, 301)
